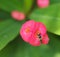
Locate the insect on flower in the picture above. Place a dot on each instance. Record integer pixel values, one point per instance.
(39, 36)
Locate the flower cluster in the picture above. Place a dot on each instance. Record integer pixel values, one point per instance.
(34, 33)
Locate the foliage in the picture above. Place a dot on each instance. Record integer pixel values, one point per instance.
(11, 44)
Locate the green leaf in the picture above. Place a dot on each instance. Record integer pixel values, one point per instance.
(49, 16)
(4, 15)
(9, 29)
(18, 48)
(28, 5)
(20, 5)
(54, 1)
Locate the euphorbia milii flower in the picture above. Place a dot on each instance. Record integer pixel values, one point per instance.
(18, 15)
(34, 33)
(43, 3)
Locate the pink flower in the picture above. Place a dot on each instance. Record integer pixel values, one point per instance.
(18, 15)
(43, 3)
(34, 33)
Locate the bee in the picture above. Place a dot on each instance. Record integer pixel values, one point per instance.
(39, 36)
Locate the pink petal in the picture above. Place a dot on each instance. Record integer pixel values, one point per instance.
(34, 41)
(18, 15)
(42, 28)
(28, 25)
(43, 3)
(36, 27)
(45, 39)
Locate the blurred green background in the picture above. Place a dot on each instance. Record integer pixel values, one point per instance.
(11, 44)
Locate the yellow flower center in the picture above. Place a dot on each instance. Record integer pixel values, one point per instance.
(27, 30)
